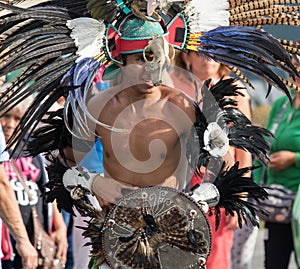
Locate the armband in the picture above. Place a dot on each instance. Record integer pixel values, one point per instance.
(206, 193)
(78, 181)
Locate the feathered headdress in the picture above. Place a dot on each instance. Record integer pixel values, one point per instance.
(63, 43)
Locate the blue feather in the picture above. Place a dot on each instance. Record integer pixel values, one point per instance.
(248, 48)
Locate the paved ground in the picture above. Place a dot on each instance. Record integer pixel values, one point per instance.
(259, 254)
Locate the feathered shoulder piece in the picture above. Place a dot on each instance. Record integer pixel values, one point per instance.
(57, 192)
(220, 124)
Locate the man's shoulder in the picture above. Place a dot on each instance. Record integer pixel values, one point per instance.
(179, 97)
(100, 99)
(181, 101)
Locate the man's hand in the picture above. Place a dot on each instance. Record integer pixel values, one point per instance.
(28, 253)
(110, 190)
(79, 181)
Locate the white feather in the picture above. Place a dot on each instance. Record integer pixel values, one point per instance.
(88, 35)
(205, 15)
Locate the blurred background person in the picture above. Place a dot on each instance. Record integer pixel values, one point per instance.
(284, 169)
(33, 170)
(295, 222)
(11, 216)
(201, 69)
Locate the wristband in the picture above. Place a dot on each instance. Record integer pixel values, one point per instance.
(78, 181)
(206, 193)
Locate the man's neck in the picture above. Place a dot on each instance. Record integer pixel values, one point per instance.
(140, 92)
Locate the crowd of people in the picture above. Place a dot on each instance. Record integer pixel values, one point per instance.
(133, 134)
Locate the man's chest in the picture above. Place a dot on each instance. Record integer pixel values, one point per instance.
(142, 140)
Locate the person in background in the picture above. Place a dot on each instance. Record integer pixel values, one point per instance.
(201, 69)
(33, 171)
(295, 219)
(283, 168)
(10, 213)
(11, 216)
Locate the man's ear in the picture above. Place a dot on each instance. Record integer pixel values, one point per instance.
(121, 60)
(185, 58)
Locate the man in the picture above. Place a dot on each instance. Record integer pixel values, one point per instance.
(10, 214)
(163, 113)
(143, 123)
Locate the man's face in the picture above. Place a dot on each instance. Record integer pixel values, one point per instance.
(135, 71)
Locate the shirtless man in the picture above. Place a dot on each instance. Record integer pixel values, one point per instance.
(154, 123)
(148, 146)
(147, 123)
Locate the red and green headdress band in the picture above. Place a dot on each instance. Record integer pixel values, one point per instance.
(133, 35)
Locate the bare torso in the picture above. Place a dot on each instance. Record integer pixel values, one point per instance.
(150, 149)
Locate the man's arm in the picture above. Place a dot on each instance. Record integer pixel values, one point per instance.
(11, 216)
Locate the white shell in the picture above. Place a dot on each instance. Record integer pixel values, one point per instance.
(215, 140)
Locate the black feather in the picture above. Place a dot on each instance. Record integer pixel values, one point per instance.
(52, 135)
(250, 138)
(234, 191)
(57, 192)
(37, 41)
(217, 107)
(38, 108)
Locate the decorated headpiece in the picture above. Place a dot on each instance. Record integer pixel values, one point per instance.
(135, 35)
(132, 36)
